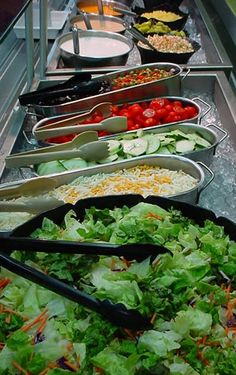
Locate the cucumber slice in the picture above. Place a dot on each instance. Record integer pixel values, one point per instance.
(200, 141)
(113, 146)
(153, 143)
(75, 163)
(109, 159)
(184, 146)
(92, 163)
(50, 167)
(135, 147)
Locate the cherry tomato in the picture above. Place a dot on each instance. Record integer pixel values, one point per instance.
(115, 109)
(125, 112)
(178, 110)
(158, 103)
(130, 124)
(161, 113)
(149, 113)
(177, 103)
(97, 119)
(169, 107)
(190, 111)
(135, 110)
(150, 122)
(139, 120)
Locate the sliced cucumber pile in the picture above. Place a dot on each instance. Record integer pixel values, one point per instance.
(130, 145)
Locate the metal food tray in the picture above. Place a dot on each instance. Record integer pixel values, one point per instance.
(211, 56)
(164, 86)
(214, 88)
(171, 162)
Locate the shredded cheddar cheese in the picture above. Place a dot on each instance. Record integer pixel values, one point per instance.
(145, 180)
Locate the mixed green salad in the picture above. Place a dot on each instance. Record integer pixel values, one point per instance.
(189, 296)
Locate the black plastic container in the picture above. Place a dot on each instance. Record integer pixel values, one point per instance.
(174, 25)
(156, 3)
(151, 56)
(194, 212)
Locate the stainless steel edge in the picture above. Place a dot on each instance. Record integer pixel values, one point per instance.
(214, 36)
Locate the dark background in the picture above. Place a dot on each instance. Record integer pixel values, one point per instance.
(9, 12)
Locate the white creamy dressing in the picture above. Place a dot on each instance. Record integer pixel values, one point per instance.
(97, 47)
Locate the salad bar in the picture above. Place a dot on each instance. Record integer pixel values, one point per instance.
(117, 201)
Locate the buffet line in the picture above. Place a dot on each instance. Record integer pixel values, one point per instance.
(109, 264)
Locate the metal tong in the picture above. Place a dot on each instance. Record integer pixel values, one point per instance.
(117, 314)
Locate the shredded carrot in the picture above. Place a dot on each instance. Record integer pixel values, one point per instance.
(71, 366)
(8, 319)
(154, 216)
(69, 346)
(42, 325)
(4, 282)
(200, 356)
(153, 318)
(113, 264)
(99, 370)
(129, 334)
(126, 262)
(4, 309)
(49, 367)
(19, 368)
(202, 340)
(35, 321)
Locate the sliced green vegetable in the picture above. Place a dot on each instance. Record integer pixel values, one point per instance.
(76, 163)
(135, 147)
(185, 146)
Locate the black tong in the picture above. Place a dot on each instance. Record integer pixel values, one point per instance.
(117, 314)
(78, 85)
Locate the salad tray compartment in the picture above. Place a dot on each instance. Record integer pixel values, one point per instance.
(208, 132)
(21, 235)
(164, 86)
(171, 162)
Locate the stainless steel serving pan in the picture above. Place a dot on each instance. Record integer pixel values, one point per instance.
(206, 154)
(165, 86)
(171, 162)
(72, 59)
(193, 102)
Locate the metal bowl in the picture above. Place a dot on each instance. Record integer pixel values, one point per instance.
(81, 60)
(90, 6)
(101, 23)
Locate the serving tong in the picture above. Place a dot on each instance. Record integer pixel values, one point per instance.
(75, 85)
(112, 125)
(116, 313)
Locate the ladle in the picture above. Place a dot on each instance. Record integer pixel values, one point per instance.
(86, 20)
(75, 36)
(100, 7)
